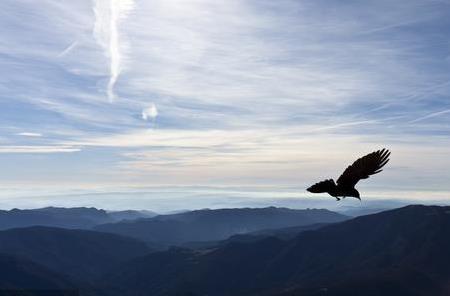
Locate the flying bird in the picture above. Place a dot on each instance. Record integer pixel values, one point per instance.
(362, 168)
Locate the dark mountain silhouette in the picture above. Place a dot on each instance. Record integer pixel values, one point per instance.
(209, 225)
(397, 252)
(362, 168)
(81, 218)
(281, 233)
(80, 254)
(17, 273)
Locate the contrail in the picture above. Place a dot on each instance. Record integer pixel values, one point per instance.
(108, 14)
(369, 121)
(345, 124)
(431, 115)
(68, 49)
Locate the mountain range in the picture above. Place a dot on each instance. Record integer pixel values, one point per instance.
(396, 252)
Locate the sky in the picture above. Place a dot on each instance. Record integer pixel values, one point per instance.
(106, 98)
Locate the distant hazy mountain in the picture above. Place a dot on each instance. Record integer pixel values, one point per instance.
(208, 225)
(82, 218)
(355, 212)
(131, 215)
(81, 254)
(398, 252)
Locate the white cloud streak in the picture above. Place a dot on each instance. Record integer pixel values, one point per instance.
(38, 149)
(28, 134)
(108, 15)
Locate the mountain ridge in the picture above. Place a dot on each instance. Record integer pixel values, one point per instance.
(73, 218)
(210, 225)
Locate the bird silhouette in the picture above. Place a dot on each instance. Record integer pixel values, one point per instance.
(362, 168)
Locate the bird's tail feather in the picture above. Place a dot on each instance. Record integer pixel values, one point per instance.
(324, 186)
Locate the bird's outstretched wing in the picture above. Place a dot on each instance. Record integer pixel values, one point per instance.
(364, 167)
(324, 186)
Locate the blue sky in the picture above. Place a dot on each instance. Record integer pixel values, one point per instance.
(106, 94)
